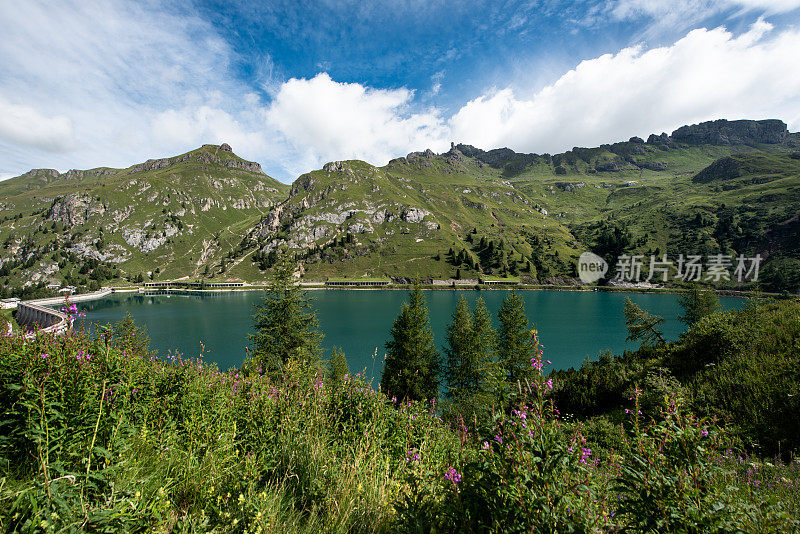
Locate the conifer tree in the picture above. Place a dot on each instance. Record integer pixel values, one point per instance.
(460, 353)
(285, 323)
(337, 367)
(469, 369)
(412, 361)
(486, 343)
(642, 325)
(514, 342)
(697, 303)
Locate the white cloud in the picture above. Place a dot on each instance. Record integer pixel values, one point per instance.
(21, 124)
(625, 9)
(706, 75)
(112, 82)
(668, 17)
(83, 83)
(324, 120)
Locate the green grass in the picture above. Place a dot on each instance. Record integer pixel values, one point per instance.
(123, 441)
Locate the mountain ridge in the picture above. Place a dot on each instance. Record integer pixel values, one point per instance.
(210, 213)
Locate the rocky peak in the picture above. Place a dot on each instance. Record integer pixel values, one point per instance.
(724, 132)
(201, 156)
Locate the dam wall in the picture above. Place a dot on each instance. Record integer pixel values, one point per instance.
(32, 316)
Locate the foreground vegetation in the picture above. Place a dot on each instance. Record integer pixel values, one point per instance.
(100, 434)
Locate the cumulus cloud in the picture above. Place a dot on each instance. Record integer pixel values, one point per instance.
(321, 119)
(24, 125)
(706, 75)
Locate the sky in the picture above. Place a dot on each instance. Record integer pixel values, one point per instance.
(296, 84)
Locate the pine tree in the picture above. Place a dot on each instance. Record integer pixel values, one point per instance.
(412, 361)
(460, 353)
(337, 367)
(469, 368)
(642, 325)
(696, 304)
(286, 325)
(514, 342)
(486, 346)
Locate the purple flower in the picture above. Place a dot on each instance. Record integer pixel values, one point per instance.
(412, 456)
(704, 433)
(452, 475)
(45, 355)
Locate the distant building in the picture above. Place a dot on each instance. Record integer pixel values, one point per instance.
(9, 304)
(192, 285)
(356, 283)
(500, 282)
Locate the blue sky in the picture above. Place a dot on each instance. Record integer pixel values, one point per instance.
(295, 84)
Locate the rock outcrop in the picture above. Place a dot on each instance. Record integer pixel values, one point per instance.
(741, 132)
(723, 169)
(74, 209)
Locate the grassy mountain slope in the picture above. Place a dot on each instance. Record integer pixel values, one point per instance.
(718, 187)
(171, 214)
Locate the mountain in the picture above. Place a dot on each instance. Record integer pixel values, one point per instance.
(717, 187)
(170, 213)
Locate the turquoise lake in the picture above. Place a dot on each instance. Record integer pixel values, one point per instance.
(572, 325)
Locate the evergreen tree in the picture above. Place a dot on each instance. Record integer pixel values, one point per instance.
(642, 325)
(696, 304)
(337, 367)
(285, 323)
(460, 366)
(126, 335)
(514, 343)
(468, 366)
(412, 361)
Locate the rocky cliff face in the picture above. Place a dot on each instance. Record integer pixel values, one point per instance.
(723, 132)
(75, 209)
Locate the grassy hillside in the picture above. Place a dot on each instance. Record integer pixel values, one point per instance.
(101, 435)
(170, 217)
(721, 187)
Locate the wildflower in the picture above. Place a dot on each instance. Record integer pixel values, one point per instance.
(498, 438)
(452, 475)
(45, 355)
(704, 433)
(549, 383)
(412, 456)
(485, 445)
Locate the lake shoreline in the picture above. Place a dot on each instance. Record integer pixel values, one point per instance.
(481, 287)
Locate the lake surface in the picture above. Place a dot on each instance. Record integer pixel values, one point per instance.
(572, 325)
